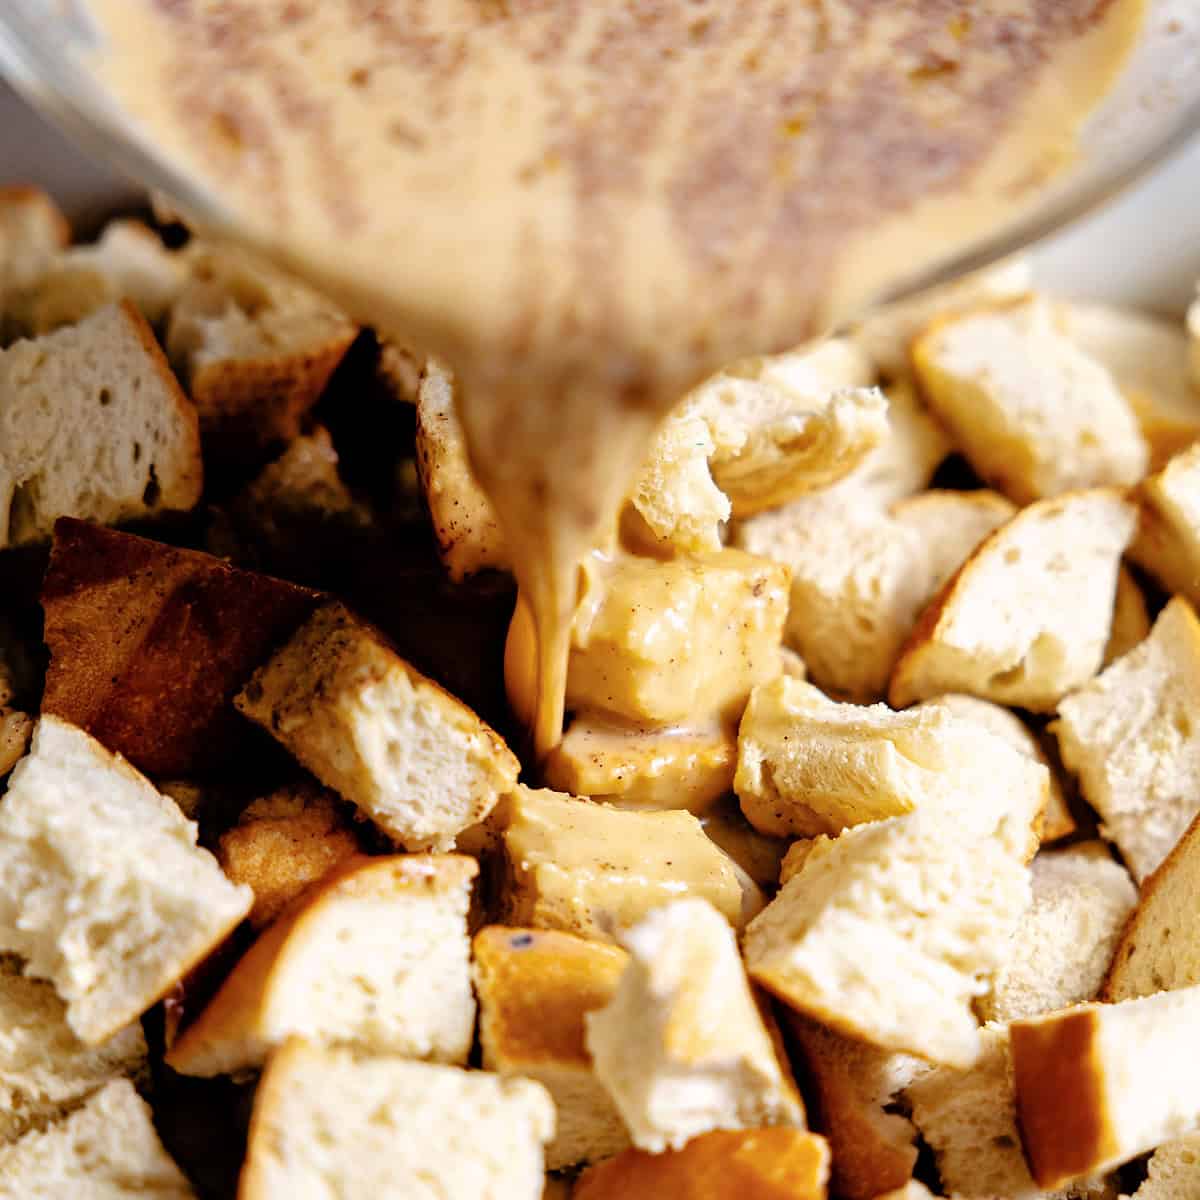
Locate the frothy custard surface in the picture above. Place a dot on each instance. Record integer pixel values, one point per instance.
(586, 205)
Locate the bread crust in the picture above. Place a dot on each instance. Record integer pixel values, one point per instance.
(1062, 1112)
(754, 1164)
(234, 1014)
(150, 643)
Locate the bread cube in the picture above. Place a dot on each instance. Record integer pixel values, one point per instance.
(662, 642)
(45, 1070)
(1033, 413)
(1157, 947)
(127, 262)
(1148, 358)
(1173, 1172)
(92, 425)
(1097, 1085)
(808, 765)
(33, 232)
(644, 767)
(16, 728)
(1065, 941)
(858, 582)
(255, 346)
(375, 956)
(1000, 630)
(535, 987)
(1168, 537)
(789, 425)
(150, 643)
(682, 1047)
(1133, 737)
(102, 886)
(106, 1148)
(465, 525)
(890, 932)
(282, 843)
(1131, 618)
(968, 1117)
(328, 1120)
(856, 1088)
(591, 869)
(886, 335)
(765, 1164)
(674, 503)
(1058, 821)
(414, 759)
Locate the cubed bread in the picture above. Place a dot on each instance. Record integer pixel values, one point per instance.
(255, 346)
(1033, 413)
(682, 1046)
(1000, 629)
(968, 1117)
(887, 334)
(644, 767)
(905, 461)
(107, 1149)
(127, 262)
(326, 1117)
(590, 869)
(45, 1070)
(752, 1164)
(789, 424)
(914, 1189)
(849, 614)
(808, 765)
(1004, 723)
(284, 842)
(855, 1089)
(93, 425)
(150, 643)
(414, 759)
(535, 987)
(296, 516)
(33, 231)
(1158, 948)
(1148, 358)
(1132, 736)
(891, 931)
(1098, 1084)
(1173, 1172)
(674, 502)
(1193, 328)
(1131, 618)
(375, 956)
(950, 525)
(1065, 940)
(465, 525)
(102, 886)
(758, 855)
(858, 582)
(661, 642)
(1167, 544)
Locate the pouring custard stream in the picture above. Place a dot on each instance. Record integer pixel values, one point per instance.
(585, 206)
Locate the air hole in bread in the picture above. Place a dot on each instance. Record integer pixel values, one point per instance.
(105, 397)
(1012, 555)
(152, 491)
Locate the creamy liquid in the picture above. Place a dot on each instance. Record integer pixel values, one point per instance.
(587, 205)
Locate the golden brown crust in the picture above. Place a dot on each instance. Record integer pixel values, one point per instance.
(534, 987)
(149, 644)
(751, 1164)
(269, 1097)
(258, 401)
(282, 844)
(865, 1162)
(1137, 929)
(233, 1012)
(1065, 1125)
